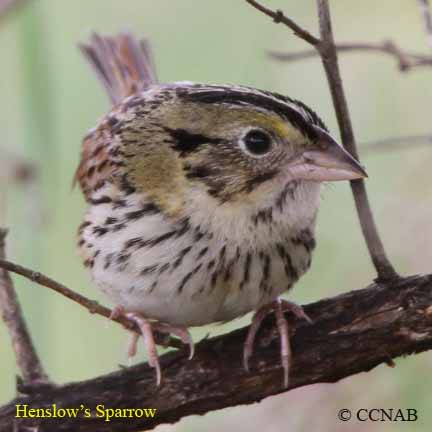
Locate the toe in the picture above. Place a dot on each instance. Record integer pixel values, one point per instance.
(133, 344)
(297, 310)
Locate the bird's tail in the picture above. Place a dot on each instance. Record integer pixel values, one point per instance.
(122, 63)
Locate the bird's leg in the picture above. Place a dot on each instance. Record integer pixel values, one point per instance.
(278, 307)
(289, 306)
(285, 347)
(181, 332)
(147, 328)
(147, 333)
(117, 312)
(257, 319)
(133, 344)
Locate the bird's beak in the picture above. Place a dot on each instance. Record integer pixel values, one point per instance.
(329, 161)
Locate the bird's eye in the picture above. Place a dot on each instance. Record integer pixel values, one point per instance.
(257, 142)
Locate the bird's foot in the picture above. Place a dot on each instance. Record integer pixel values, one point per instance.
(117, 312)
(181, 332)
(278, 307)
(147, 328)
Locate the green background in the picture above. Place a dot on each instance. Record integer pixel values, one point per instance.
(49, 98)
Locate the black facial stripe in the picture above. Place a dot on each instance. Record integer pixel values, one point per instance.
(186, 142)
(269, 101)
(199, 171)
(258, 179)
(289, 189)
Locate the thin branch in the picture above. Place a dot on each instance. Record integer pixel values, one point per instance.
(397, 143)
(16, 169)
(427, 20)
(7, 6)
(326, 48)
(279, 17)
(351, 333)
(329, 59)
(26, 357)
(406, 60)
(91, 305)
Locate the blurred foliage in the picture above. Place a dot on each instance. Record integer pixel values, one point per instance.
(49, 98)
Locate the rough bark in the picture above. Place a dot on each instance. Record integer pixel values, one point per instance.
(26, 356)
(351, 333)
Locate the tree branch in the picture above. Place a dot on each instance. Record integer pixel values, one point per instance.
(397, 143)
(7, 6)
(427, 20)
(406, 60)
(327, 50)
(279, 17)
(17, 169)
(91, 305)
(329, 59)
(26, 357)
(351, 333)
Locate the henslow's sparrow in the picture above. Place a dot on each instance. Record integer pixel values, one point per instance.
(202, 199)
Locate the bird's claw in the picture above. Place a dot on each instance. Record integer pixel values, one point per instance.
(147, 328)
(278, 307)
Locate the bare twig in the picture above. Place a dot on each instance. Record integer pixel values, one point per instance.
(327, 50)
(279, 17)
(427, 20)
(16, 169)
(329, 59)
(27, 359)
(406, 60)
(91, 305)
(351, 333)
(8, 5)
(397, 143)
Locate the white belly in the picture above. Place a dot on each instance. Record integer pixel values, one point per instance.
(188, 277)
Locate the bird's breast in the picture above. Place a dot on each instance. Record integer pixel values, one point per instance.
(183, 272)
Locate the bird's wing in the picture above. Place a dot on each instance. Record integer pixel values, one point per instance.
(125, 67)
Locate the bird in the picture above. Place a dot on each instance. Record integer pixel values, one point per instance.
(202, 199)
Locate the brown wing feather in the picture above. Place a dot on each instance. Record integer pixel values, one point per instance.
(122, 63)
(125, 66)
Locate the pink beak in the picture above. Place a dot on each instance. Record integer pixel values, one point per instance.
(328, 162)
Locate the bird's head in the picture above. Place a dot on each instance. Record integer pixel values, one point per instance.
(235, 145)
